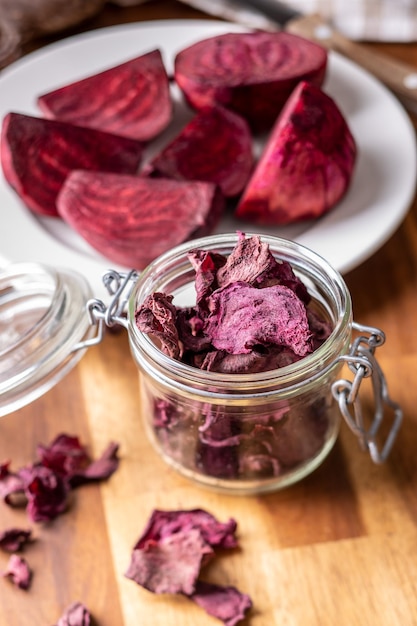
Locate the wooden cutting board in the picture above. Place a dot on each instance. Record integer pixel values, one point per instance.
(338, 548)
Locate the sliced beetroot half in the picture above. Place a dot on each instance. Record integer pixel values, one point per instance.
(307, 163)
(250, 73)
(132, 220)
(131, 99)
(37, 155)
(216, 147)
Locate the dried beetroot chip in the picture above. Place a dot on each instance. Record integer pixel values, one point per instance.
(190, 326)
(46, 492)
(100, 469)
(157, 316)
(166, 523)
(64, 455)
(243, 317)
(252, 262)
(68, 458)
(226, 603)
(307, 164)
(11, 485)
(37, 154)
(75, 615)
(132, 220)
(250, 73)
(216, 147)
(255, 361)
(131, 99)
(206, 265)
(216, 451)
(320, 328)
(14, 539)
(171, 564)
(18, 571)
(173, 548)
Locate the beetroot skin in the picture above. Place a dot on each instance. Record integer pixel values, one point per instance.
(131, 99)
(307, 164)
(250, 73)
(37, 155)
(132, 220)
(216, 147)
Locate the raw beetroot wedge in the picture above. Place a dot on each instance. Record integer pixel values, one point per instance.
(216, 147)
(250, 73)
(37, 155)
(131, 99)
(307, 163)
(131, 220)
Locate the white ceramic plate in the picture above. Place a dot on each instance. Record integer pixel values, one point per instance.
(378, 199)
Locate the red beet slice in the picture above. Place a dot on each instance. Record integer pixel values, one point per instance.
(131, 99)
(307, 164)
(37, 155)
(216, 147)
(131, 220)
(250, 73)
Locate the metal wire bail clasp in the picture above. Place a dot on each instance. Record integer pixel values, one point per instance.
(119, 285)
(362, 362)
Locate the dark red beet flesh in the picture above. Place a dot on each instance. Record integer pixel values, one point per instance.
(216, 147)
(131, 99)
(132, 220)
(37, 155)
(250, 73)
(307, 163)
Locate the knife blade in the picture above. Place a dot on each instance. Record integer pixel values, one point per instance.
(399, 77)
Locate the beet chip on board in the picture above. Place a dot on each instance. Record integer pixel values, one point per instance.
(173, 549)
(44, 486)
(75, 615)
(13, 539)
(18, 571)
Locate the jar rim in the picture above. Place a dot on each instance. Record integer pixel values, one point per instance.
(302, 257)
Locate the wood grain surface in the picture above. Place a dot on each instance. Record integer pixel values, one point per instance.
(339, 548)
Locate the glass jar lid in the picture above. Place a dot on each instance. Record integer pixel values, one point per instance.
(43, 316)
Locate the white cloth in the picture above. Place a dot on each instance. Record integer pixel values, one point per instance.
(367, 20)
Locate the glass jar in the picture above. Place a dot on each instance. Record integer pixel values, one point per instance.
(243, 433)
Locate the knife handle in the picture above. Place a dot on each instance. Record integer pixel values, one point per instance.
(399, 77)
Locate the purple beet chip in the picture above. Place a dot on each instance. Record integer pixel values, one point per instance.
(46, 492)
(11, 485)
(64, 455)
(75, 615)
(18, 572)
(228, 604)
(14, 539)
(170, 565)
(99, 469)
(171, 552)
(243, 317)
(166, 523)
(44, 486)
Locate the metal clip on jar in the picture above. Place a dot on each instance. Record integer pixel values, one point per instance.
(251, 433)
